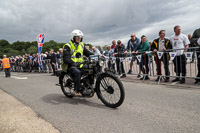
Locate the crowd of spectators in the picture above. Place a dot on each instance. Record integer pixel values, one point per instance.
(51, 61)
(178, 42)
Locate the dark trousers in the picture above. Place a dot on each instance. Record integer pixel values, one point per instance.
(76, 76)
(180, 65)
(165, 61)
(7, 72)
(111, 66)
(120, 67)
(144, 62)
(198, 66)
(53, 65)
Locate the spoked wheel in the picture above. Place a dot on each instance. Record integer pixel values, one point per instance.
(110, 90)
(65, 85)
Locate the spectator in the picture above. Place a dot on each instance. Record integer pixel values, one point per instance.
(113, 44)
(194, 42)
(191, 50)
(132, 44)
(109, 52)
(6, 66)
(119, 53)
(30, 63)
(143, 47)
(12, 63)
(61, 51)
(35, 62)
(59, 57)
(100, 49)
(95, 51)
(53, 58)
(1, 67)
(161, 44)
(179, 41)
(48, 60)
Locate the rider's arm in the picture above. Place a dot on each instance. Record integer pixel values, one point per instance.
(67, 56)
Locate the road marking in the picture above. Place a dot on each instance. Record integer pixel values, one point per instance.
(15, 77)
(174, 83)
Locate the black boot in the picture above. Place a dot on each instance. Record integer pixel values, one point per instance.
(123, 76)
(167, 79)
(129, 72)
(182, 81)
(196, 82)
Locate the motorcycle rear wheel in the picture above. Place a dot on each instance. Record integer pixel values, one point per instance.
(64, 88)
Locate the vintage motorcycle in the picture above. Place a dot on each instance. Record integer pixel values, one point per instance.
(106, 85)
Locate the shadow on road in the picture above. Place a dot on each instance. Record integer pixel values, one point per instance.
(56, 99)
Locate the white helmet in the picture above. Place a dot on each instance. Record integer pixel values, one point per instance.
(76, 33)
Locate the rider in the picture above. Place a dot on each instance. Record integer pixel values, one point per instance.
(73, 56)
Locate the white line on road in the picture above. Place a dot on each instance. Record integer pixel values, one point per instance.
(174, 83)
(15, 77)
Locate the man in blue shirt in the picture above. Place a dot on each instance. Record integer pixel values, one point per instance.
(95, 51)
(109, 53)
(132, 44)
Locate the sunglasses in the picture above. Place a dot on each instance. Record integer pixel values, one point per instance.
(132, 36)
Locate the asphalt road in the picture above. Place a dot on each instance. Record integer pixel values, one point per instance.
(147, 108)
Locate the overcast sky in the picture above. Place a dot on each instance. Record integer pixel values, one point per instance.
(101, 21)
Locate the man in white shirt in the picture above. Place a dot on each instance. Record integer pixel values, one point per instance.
(179, 41)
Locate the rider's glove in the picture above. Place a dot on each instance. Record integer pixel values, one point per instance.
(77, 64)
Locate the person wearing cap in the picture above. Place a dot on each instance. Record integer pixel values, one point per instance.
(119, 53)
(6, 66)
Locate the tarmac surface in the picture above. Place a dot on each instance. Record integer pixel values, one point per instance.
(148, 107)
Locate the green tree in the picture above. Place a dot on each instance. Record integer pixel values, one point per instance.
(4, 43)
(32, 50)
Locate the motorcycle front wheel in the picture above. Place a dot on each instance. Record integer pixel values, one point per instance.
(110, 90)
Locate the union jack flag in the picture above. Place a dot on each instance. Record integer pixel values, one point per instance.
(40, 45)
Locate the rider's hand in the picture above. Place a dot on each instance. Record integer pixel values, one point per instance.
(155, 50)
(77, 64)
(125, 52)
(164, 49)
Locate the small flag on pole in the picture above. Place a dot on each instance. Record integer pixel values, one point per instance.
(159, 54)
(129, 59)
(172, 55)
(188, 55)
(121, 59)
(139, 57)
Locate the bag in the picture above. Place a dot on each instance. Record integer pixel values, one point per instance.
(64, 66)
